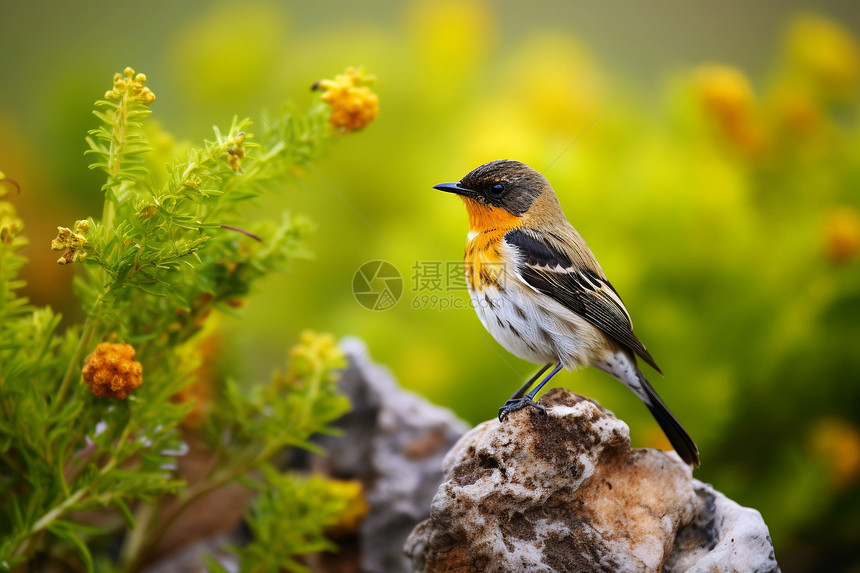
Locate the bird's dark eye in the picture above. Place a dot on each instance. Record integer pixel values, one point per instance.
(497, 189)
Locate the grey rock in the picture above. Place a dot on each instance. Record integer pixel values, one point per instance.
(565, 492)
(723, 536)
(394, 441)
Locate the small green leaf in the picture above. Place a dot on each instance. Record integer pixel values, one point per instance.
(63, 530)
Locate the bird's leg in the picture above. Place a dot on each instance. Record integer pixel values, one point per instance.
(519, 401)
(522, 391)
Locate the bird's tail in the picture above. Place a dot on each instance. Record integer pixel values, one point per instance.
(678, 436)
(622, 366)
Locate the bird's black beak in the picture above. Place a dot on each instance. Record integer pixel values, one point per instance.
(455, 187)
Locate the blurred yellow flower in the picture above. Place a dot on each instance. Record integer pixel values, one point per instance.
(837, 443)
(353, 105)
(357, 507)
(724, 91)
(229, 52)
(452, 38)
(842, 228)
(726, 96)
(111, 371)
(826, 54)
(556, 83)
(315, 352)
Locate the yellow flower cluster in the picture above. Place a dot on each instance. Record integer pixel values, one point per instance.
(70, 242)
(826, 54)
(131, 84)
(314, 352)
(726, 95)
(353, 104)
(236, 153)
(822, 67)
(357, 507)
(112, 372)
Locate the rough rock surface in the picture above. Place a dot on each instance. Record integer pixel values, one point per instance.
(565, 492)
(394, 441)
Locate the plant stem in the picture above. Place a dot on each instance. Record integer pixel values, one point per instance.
(75, 362)
(132, 552)
(28, 544)
(52, 515)
(87, 333)
(153, 535)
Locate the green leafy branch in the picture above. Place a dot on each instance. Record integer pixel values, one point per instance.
(248, 428)
(172, 246)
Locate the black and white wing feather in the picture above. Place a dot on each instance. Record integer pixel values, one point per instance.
(550, 271)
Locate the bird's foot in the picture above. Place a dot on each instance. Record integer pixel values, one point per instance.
(515, 404)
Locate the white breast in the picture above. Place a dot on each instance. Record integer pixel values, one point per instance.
(535, 327)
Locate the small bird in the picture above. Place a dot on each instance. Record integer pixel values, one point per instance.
(538, 289)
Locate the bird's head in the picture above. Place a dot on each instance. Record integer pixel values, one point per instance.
(502, 194)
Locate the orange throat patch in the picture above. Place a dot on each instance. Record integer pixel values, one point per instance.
(484, 217)
(487, 228)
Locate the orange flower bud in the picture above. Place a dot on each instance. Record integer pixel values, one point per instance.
(112, 372)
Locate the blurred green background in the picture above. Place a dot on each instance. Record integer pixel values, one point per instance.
(715, 173)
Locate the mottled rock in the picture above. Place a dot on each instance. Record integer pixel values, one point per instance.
(565, 492)
(723, 536)
(394, 441)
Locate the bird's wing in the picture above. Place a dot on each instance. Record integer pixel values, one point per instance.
(550, 271)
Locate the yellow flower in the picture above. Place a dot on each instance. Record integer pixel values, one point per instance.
(71, 242)
(129, 84)
(112, 372)
(314, 353)
(837, 443)
(842, 234)
(450, 39)
(357, 507)
(724, 91)
(555, 81)
(236, 153)
(353, 104)
(826, 54)
(222, 69)
(725, 95)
